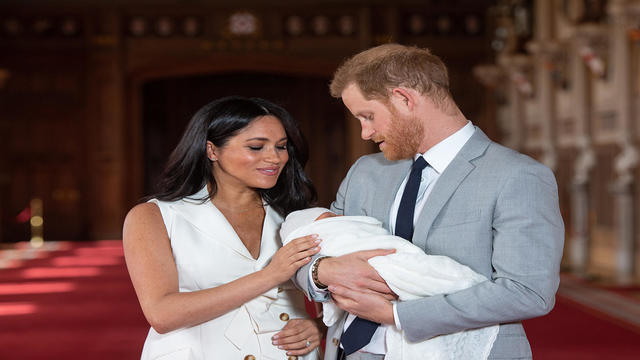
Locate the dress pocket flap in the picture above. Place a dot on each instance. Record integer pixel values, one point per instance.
(237, 332)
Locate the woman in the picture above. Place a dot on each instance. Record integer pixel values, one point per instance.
(203, 254)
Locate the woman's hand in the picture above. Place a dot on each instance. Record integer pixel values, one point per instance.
(298, 337)
(292, 256)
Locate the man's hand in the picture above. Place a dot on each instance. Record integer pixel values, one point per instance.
(354, 272)
(367, 305)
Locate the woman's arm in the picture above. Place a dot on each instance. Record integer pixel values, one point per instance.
(154, 275)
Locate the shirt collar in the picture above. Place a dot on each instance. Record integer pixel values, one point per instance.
(441, 154)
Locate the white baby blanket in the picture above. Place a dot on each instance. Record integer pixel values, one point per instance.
(409, 272)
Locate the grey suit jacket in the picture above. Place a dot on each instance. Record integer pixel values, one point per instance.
(492, 209)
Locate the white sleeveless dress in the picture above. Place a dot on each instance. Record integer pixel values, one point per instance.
(208, 253)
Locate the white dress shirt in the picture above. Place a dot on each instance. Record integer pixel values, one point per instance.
(438, 158)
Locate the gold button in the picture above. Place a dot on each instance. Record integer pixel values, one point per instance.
(284, 316)
(292, 358)
(336, 342)
(249, 357)
(280, 289)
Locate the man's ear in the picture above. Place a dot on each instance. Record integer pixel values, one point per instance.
(403, 99)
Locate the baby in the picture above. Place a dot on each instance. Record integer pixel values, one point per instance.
(409, 272)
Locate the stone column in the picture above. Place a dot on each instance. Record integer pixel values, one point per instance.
(624, 189)
(517, 69)
(543, 48)
(585, 160)
(627, 161)
(516, 117)
(104, 127)
(580, 235)
(496, 79)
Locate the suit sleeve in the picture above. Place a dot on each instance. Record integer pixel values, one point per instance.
(528, 236)
(338, 205)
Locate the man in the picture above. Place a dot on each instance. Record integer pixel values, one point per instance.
(464, 196)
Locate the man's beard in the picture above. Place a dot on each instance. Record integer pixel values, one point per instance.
(404, 137)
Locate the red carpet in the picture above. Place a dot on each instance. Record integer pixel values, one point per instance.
(572, 331)
(77, 303)
(71, 304)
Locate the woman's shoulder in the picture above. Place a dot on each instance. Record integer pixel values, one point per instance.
(145, 208)
(143, 212)
(143, 222)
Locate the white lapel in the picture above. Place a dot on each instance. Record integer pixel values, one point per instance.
(270, 241)
(208, 219)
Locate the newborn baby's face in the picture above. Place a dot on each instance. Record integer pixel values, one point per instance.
(325, 215)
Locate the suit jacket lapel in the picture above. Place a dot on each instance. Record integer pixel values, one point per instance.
(388, 184)
(447, 184)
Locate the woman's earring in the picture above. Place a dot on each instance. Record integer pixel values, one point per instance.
(213, 159)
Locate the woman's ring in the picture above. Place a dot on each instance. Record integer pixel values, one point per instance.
(308, 343)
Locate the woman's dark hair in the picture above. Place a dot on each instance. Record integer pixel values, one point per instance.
(189, 168)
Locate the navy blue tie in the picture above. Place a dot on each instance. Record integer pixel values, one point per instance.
(406, 210)
(359, 333)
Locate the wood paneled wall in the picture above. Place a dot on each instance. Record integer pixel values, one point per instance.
(74, 129)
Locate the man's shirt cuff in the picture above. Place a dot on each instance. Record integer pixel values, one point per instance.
(396, 319)
(315, 293)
